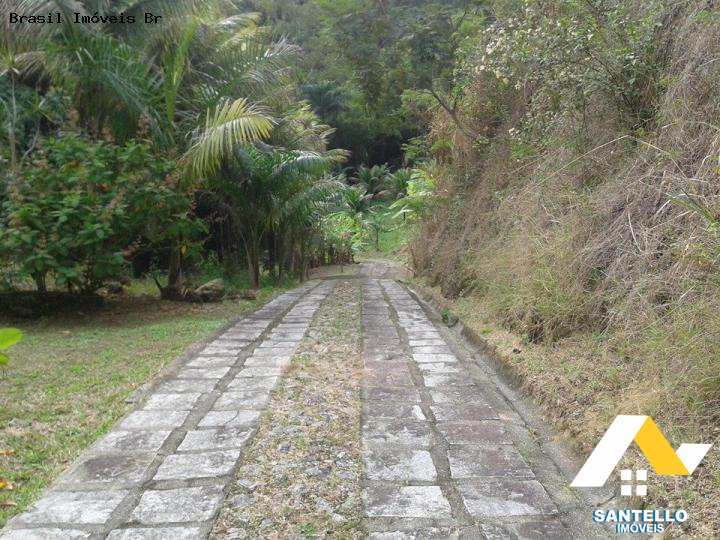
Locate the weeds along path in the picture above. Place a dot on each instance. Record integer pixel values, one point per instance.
(301, 475)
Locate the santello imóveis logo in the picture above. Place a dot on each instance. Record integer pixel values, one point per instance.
(661, 456)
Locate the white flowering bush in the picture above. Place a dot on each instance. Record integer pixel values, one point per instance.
(559, 53)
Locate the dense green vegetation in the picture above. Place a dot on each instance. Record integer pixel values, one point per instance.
(370, 67)
(221, 134)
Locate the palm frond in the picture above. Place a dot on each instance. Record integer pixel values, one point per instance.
(304, 161)
(230, 124)
(176, 68)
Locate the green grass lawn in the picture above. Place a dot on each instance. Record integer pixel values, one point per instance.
(393, 240)
(68, 379)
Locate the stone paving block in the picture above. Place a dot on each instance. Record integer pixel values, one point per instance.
(385, 348)
(392, 409)
(414, 320)
(468, 412)
(43, 534)
(259, 320)
(399, 463)
(232, 341)
(268, 361)
(480, 461)
(242, 399)
(378, 323)
(245, 335)
(438, 367)
(172, 402)
(292, 327)
(212, 361)
(425, 342)
(154, 420)
(287, 336)
(202, 373)
(124, 468)
(178, 505)
(412, 335)
(220, 350)
(381, 354)
(424, 358)
(206, 465)
(131, 441)
(377, 320)
(385, 393)
(432, 349)
(527, 530)
(441, 380)
(74, 507)
(230, 419)
(173, 386)
(487, 432)
(373, 333)
(458, 394)
(259, 372)
(429, 533)
(215, 439)
(393, 500)
(401, 432)
(284, 352)
(388, 378)
(270, 343)
(399, 365)
(254, 383)
(417, 327)
(505, 497)
(159, 533)
(385, 359)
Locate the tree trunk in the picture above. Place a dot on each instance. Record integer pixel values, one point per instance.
(12, 139)
(40, 283)
(272, 255)
(256, 271)
(175, 270)
(253, 256)
(282, 261)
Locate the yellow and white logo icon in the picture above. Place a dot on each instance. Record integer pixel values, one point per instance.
(657, 450)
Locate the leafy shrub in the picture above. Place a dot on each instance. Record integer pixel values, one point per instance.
(568, 50)
(420, 191)
(400, 180)
(80, 209)
(343, 236)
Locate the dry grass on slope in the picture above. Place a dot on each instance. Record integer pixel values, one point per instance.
(589, 258)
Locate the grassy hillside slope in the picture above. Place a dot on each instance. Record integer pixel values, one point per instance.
(580, 219)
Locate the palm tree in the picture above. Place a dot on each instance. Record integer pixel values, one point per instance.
(203, 89)
(374, 179)
(193, 86)
(19, 58)
(327, 98)
(355, 201)
(399, 181)
(269, 190)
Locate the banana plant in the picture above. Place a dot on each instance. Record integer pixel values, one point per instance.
(8, 338)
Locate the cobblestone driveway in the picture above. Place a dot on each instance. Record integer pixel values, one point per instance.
(444, 455)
